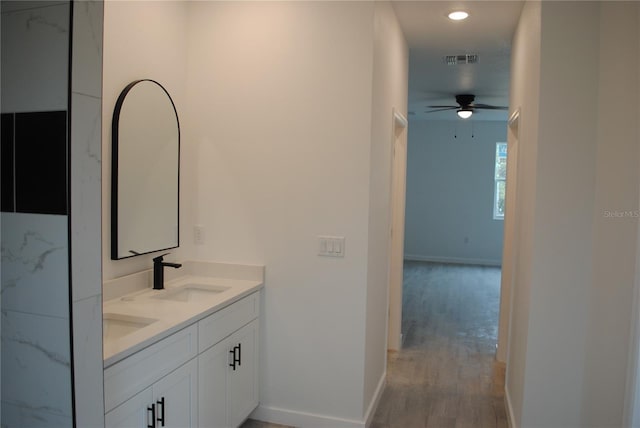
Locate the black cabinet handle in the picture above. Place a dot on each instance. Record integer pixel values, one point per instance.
(161, 411)
(239, 354)
(236, 357)
(233, 358)
(151, 409)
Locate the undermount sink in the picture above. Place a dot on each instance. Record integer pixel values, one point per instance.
(191, 292)
(115, 326)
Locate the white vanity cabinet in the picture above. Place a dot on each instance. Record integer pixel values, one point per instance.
(228, 365)
(170, 402)
(155, 387)
(205, 375)
(228, 389)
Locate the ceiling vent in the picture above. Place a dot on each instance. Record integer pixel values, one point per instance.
(460, 59)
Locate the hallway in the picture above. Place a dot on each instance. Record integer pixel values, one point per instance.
(446, 374)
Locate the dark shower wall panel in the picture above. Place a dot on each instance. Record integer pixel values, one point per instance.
(34, 162)
(6, 168)
(41, 162)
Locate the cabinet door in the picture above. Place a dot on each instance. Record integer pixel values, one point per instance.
(213, 368)
(132, 413)
(243, 381)
(175, 397)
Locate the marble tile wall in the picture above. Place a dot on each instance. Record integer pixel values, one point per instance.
(86, 211)
(36, 354)
(36, 81)
(36, 349)
(35, 321)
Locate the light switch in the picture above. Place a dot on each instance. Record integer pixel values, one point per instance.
(331, 246)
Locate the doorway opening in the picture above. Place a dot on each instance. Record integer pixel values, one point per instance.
(446, 346)
(455, 194)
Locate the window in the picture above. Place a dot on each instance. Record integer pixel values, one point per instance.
(500, 181)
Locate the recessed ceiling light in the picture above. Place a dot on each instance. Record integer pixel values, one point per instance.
(458, 15)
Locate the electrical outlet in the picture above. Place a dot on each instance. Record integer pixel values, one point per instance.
(198, 234)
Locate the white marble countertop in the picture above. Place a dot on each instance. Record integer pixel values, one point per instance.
(141, 301)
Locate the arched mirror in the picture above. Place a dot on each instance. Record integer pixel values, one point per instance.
(145, 171)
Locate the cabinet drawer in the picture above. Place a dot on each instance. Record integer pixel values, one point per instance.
(221, 324)
(133, 374)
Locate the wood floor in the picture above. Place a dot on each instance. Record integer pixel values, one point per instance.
(445, 375)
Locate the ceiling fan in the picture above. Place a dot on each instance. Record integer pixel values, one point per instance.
(465, 107)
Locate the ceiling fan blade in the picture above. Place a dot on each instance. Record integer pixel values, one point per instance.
(441, 109)
(443, 106)
(489, 107)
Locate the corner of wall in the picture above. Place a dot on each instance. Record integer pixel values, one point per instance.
(86, 218)
(389, 92)
(511, 419)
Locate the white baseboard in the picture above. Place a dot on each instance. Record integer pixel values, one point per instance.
(510, 416)
(294, 418)
(456, 260)
(375, 400)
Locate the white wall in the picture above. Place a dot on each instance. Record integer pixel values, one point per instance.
(280, 115)
(390, 80)
(574, 267)
(632, 402)
(450, 191)
(616, 189)
(159, 53)
(560, 284)
(524, 94)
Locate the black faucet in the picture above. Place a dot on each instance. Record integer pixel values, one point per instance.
(158, 271)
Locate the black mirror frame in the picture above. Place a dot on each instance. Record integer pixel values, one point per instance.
(114, 170)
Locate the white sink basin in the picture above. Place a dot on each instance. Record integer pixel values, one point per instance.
(191, 292)
(115, 326)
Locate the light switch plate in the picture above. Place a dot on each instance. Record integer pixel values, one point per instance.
(331, 246)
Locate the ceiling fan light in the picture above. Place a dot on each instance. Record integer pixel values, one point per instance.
(458, 15)
(464, 113)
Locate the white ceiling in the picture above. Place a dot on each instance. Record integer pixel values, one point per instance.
(431, 35)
